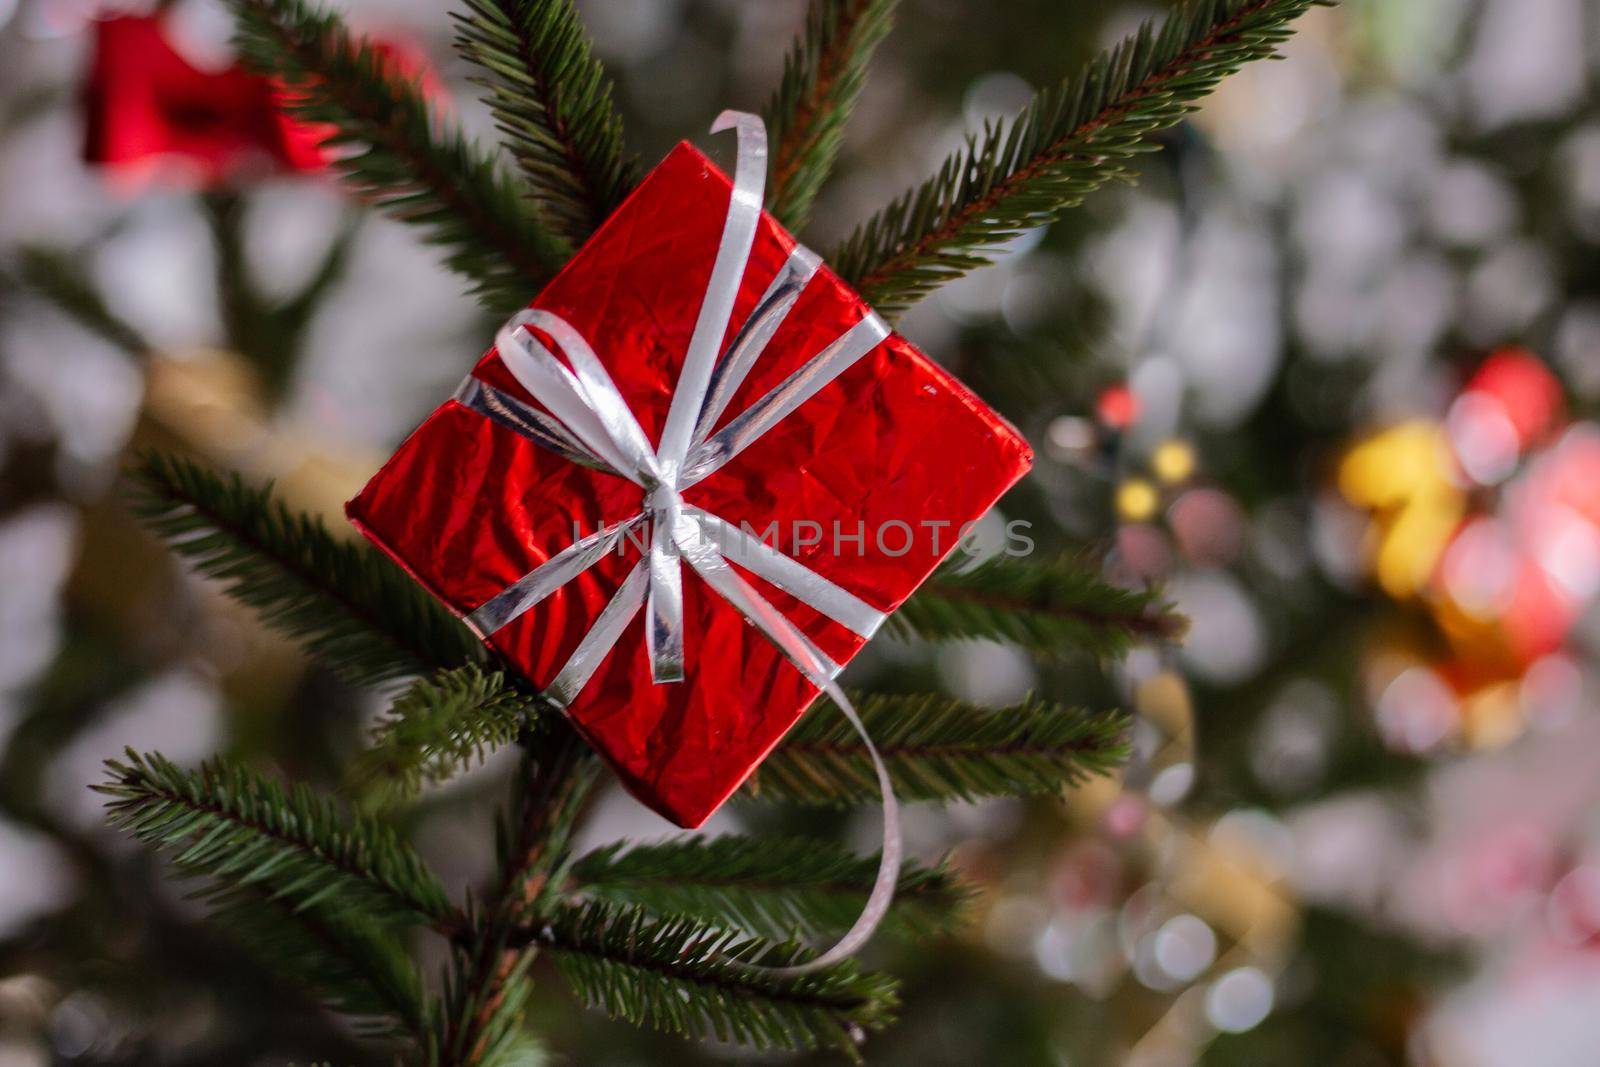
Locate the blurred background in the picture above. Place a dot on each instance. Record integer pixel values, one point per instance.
(1327, 376)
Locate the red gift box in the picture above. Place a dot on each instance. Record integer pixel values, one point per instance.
(867, 484)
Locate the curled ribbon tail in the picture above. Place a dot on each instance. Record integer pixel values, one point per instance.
(888, 877)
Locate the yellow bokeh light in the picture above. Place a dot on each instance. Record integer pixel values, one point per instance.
(1173, 462)
(1137, 500)
(1403, 474)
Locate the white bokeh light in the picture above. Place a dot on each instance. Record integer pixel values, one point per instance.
(1239, 1000)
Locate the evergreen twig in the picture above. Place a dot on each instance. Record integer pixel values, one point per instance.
(781, 887)
(938, 748)
(350, 963)
(347, 603)
(398, 152)
(244, 831)
(552, 100)
(822, 77)
(493, 1006)
(1070, 140)
(683, 976)
(1047, 607)
(442, 723)
(59, 278)
(488, 984)
(268, 331)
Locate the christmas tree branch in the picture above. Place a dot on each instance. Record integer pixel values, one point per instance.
(552, 100)
(444, 722)
(399, 153)
(295, 311)
(778, 887)
(352, 965)
(822, 77)
(269, 332)
(346, 602)
(938, 748)
(244, 831)
(488, 986)
(1046, 607)
(1069, 141)
(683, 976)
(59, 278)
(496, 1037)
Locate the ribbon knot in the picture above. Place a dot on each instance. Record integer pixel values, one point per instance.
(663, 497)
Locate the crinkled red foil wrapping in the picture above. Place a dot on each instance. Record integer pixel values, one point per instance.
(468, 506)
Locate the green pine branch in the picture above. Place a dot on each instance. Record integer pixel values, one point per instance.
(1069, 141)
(443, 723)
(496, 1037)
(59, 277)
(683, 976)
(243, 831)
(552, 100)
(488, 984)
(269, 331)
(345, 601)
(938, 748)
(398, 152)
(1046, 607)
(351, 964)
(295, 311)
(806, 116)
(781, 887)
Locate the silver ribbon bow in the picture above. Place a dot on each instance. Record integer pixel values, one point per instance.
(587, 420)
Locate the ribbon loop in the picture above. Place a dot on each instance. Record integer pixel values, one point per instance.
(527, 420)
(554, 386)
(752, 338)
(727, 271)
(594, 386)
(776, 405)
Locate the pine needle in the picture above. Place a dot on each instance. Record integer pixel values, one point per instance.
(1050, 607)
(348, 604)
(1069, 141)
(478, 1021)
(351, 964)
(552, 100)
(822, 77)
(241, 830)
(444, 723)
(781, 887)
(398, 152)
(680, 975)
(59, 278)
(938, 748)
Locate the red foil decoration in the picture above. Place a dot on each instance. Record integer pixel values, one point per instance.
(147, 104)
(895, 450)
(150, 111)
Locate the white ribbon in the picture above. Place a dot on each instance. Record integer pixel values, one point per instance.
(586, 419)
